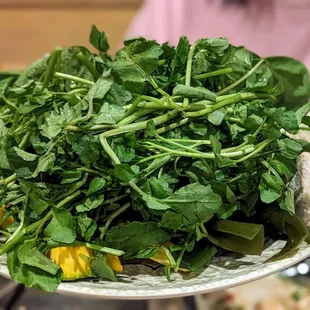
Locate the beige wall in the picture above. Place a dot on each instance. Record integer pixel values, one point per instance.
(27, 33)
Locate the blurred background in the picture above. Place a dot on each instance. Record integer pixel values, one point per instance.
(30, 28)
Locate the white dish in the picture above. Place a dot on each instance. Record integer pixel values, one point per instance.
(142, 282)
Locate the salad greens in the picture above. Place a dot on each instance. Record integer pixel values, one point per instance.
(182, 150)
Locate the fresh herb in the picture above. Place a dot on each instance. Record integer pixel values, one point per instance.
(181, 151)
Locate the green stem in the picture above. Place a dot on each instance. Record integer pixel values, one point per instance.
(234, 119)
(15, 121)
(172, 126)
(207, 142)
(74, 188)
(200, 155)
(163, 93)
(24, 140)
(152, 157)
(103, 249)
(73, 78)
(175, 166)
(85, 169)
(109, 150)
(92, 128)
(153, 99)
(237, 178)
(140, 125)
(131, 118)
(10, 104)
(51, 66)
(181, 146)
(21, 215)
(169, 256)
(203, 229)
(188, 73)
(85, 61)
(238, 82)
(72, 92)
(257, 131)
(3, 232)
(8, 180)
(133, 106)
(49, 215)
(9, 245)
(113, 216)
(112, 200)
(212, 73)
(116, 161)
(257, 150)
(180, 256)
(222, 103)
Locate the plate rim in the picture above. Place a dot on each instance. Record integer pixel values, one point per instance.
(196, 289)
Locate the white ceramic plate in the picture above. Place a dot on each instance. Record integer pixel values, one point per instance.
(143, 282)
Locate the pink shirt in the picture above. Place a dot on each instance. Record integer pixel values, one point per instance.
(267, 27)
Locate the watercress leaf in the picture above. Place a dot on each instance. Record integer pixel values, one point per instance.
(289, 148)
(124, 172)
(287, 203)
(37, 202)
(25, 155)
(216, 117)
(154, 204)
(135, 236)
(62, 226)
(231, 197)
(253, 122)
(157, 163)
(124, 154)
(150, 129)
(86, 226)
(99, 39)
(101, 268)
(302, 112)
(287, 120)
(70, 176)
(45, 163)
(90, 203)
(181, 53)
(271, 132)
(29, 255)
(294, 77)
(87, 147)
(95, 185)
(270, 187)
(159, 187)
(201, 254)
(193, 92)
(174, 220)
(30, 276)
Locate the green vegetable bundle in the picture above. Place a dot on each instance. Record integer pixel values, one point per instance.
(180, 150)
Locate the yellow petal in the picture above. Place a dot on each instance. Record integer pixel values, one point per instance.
(73, 265)
(9, 221)
(114, 262)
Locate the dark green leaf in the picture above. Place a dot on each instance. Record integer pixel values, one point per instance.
(134, 237)
(95, 185)
(62, 227)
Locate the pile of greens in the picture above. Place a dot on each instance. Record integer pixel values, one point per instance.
(181, 150)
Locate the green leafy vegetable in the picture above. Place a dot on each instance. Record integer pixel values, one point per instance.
(182, 151)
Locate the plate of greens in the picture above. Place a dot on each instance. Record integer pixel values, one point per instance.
(163, 171)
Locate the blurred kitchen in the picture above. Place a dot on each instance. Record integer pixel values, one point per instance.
(29, 29)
